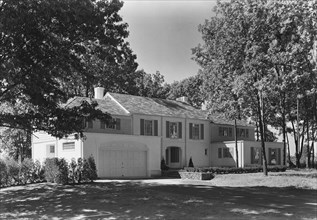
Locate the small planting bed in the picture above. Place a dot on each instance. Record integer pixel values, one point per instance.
(196, 175)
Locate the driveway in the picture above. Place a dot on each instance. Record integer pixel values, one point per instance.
(155, 199)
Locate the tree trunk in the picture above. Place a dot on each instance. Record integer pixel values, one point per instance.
(261, 124)
(236, 142)
(307, 147)
(284, 130)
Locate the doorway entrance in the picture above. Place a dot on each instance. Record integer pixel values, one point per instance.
(173, 157)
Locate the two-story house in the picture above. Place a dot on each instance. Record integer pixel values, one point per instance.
(145, 130)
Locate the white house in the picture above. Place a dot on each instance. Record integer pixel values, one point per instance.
(149, 129)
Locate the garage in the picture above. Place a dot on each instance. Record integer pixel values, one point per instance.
(122, 161)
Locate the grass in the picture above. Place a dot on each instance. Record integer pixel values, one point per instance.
(234, 196)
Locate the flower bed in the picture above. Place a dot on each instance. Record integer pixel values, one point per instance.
(196, 175)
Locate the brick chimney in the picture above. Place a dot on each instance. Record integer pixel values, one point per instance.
(99, 92)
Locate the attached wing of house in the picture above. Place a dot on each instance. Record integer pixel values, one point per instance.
(146, 130)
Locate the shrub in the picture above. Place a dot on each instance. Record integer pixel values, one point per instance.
(27, 171)
(62, 176)
(226, 170)
(190, 164)
(39, 172)
(3, 173)
(72, 171)
(51, 170)
(13, 171)
(163, 165)
(79, 170)
(92, 168)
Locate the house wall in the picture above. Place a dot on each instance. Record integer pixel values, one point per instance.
(41, 142)
(214, 133)
(96, 140)
(244, 153)
(125, 126)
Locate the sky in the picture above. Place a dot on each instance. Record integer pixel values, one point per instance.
(163, 32)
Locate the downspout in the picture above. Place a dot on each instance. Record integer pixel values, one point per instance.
(185, 136)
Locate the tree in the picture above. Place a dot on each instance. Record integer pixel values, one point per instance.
(189, 87)
(52, 50)
(254, 54)
(150, 85)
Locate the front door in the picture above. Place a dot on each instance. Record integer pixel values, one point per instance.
(173, 157)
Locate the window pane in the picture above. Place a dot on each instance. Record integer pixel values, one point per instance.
(148, 127)
(195, 131)
(52, 149)
(173, 130)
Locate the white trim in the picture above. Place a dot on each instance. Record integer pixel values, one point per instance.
(113, 99)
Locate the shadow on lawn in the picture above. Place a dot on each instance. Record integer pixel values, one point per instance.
(137, 200)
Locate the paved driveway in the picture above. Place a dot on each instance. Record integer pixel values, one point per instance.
(155, 199)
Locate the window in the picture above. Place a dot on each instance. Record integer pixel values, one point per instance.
(225, 132)
(274, 156)
(243, 132)
(206, 151)
(149, 127)
(196, 131)
(173, 129)
(114, 123)
(90, 124)
(69, 146)
(256, 155)
(52, 149)
(228, 152)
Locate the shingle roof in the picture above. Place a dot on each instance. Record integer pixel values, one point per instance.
(161, 107)
(151, 106)
(218, 119)
(105, 105)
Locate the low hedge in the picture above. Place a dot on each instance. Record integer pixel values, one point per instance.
(59, 171)
(54, 170)
(13, 173)
(227, 170)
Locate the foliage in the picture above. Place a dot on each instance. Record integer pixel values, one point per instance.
(164, 167)
(14, 173)
(51, 170)
(190, 164)
(226, 170)
(15, 143)
(256, 58)
(189, 87)
(150, 85)
(53, 50)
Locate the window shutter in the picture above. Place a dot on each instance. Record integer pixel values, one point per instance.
(167, 129)
(279, 156)
(252, 155)
(220, 131)
(190, 130)
(247, 133)
(118, 122)
(141, 126)
(202, 131)
(179, 129)
(219, 152)
(155, 128)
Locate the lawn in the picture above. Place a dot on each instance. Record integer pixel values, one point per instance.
(236, 196)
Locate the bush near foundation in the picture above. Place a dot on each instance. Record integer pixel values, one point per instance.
(59, 171)
(13, 173)
(226, 170)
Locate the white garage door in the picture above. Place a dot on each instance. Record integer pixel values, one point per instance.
(122, 163)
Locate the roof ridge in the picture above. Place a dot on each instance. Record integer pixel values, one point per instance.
(113, 99)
